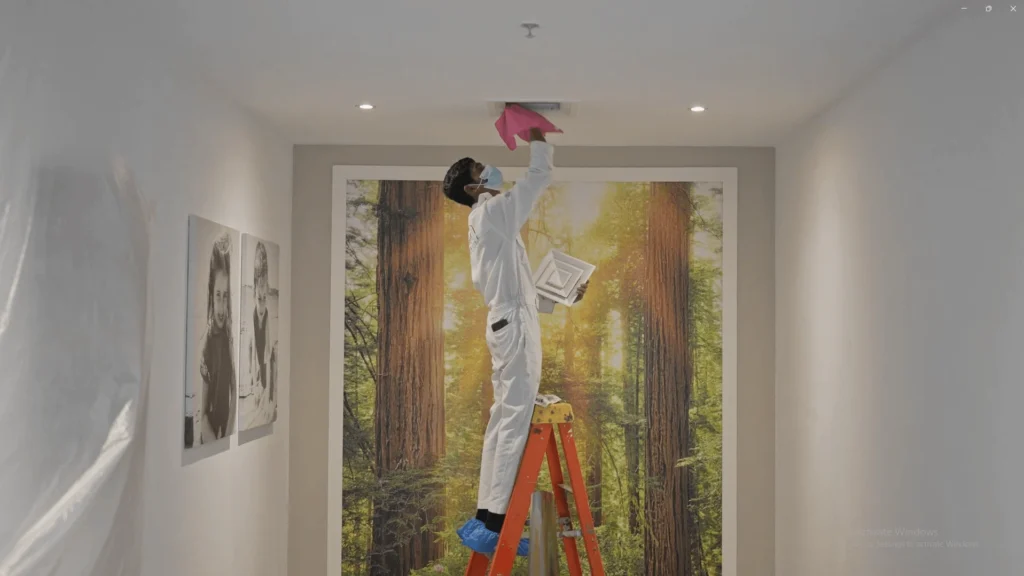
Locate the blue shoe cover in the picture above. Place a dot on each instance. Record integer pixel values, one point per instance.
(475, 535)
(468, 528)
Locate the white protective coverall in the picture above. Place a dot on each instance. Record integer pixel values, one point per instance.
(501, 272)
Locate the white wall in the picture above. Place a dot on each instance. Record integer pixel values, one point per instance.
(226, 513)
(105, 85)
(900, 315)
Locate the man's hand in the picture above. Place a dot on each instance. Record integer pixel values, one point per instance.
(581, 291)
(536, 135)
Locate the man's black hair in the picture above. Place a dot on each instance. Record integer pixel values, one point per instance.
(455, 181)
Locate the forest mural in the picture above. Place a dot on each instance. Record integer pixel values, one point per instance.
(640, 360)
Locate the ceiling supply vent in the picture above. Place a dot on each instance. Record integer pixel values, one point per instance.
(549, 109)
(542, 106)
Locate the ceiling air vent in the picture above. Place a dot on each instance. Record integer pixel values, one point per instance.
(543, 106)
(549, 109)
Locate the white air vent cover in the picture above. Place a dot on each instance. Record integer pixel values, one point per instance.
(549, 109)
(560, 275)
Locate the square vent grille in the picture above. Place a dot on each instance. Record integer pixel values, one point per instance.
(559, 275)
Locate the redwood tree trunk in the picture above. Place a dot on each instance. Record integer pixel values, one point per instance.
(409, 425)
(668, 369)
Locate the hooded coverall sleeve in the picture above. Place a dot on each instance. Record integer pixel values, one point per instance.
(518, 202)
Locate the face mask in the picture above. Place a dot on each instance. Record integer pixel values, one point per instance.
(491, 178)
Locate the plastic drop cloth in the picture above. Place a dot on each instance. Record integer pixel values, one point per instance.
(74, 254)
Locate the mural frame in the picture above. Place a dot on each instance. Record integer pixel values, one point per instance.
(341, 174)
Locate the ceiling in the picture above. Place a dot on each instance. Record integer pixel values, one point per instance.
(633, 68)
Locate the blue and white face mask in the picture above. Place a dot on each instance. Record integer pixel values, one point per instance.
(491, 178)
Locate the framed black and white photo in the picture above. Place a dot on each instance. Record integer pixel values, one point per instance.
(258, 353)
(211, 327)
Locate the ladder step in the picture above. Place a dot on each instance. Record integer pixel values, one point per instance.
(566, 487)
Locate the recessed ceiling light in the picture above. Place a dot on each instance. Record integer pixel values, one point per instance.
(697, 108)
(366, 106)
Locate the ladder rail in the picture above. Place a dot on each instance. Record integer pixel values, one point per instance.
(572, 554)
(477, 564)
(579, 492)
(519, 504)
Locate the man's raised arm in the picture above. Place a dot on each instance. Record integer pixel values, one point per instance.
(521, 199)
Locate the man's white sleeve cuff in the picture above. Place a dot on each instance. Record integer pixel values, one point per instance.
(544, 149)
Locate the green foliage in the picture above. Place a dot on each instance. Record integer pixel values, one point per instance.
(705, 460)
(593, 355)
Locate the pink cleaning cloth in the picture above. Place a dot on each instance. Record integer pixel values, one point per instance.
(517, 121)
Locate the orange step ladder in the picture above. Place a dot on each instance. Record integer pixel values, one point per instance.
(541, 443)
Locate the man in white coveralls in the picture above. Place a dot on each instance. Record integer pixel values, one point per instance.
(501, 272)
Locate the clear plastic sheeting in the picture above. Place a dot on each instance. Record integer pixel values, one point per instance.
(74, 248)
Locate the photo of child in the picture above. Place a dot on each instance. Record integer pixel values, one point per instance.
(257, 391)
(210, 384)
